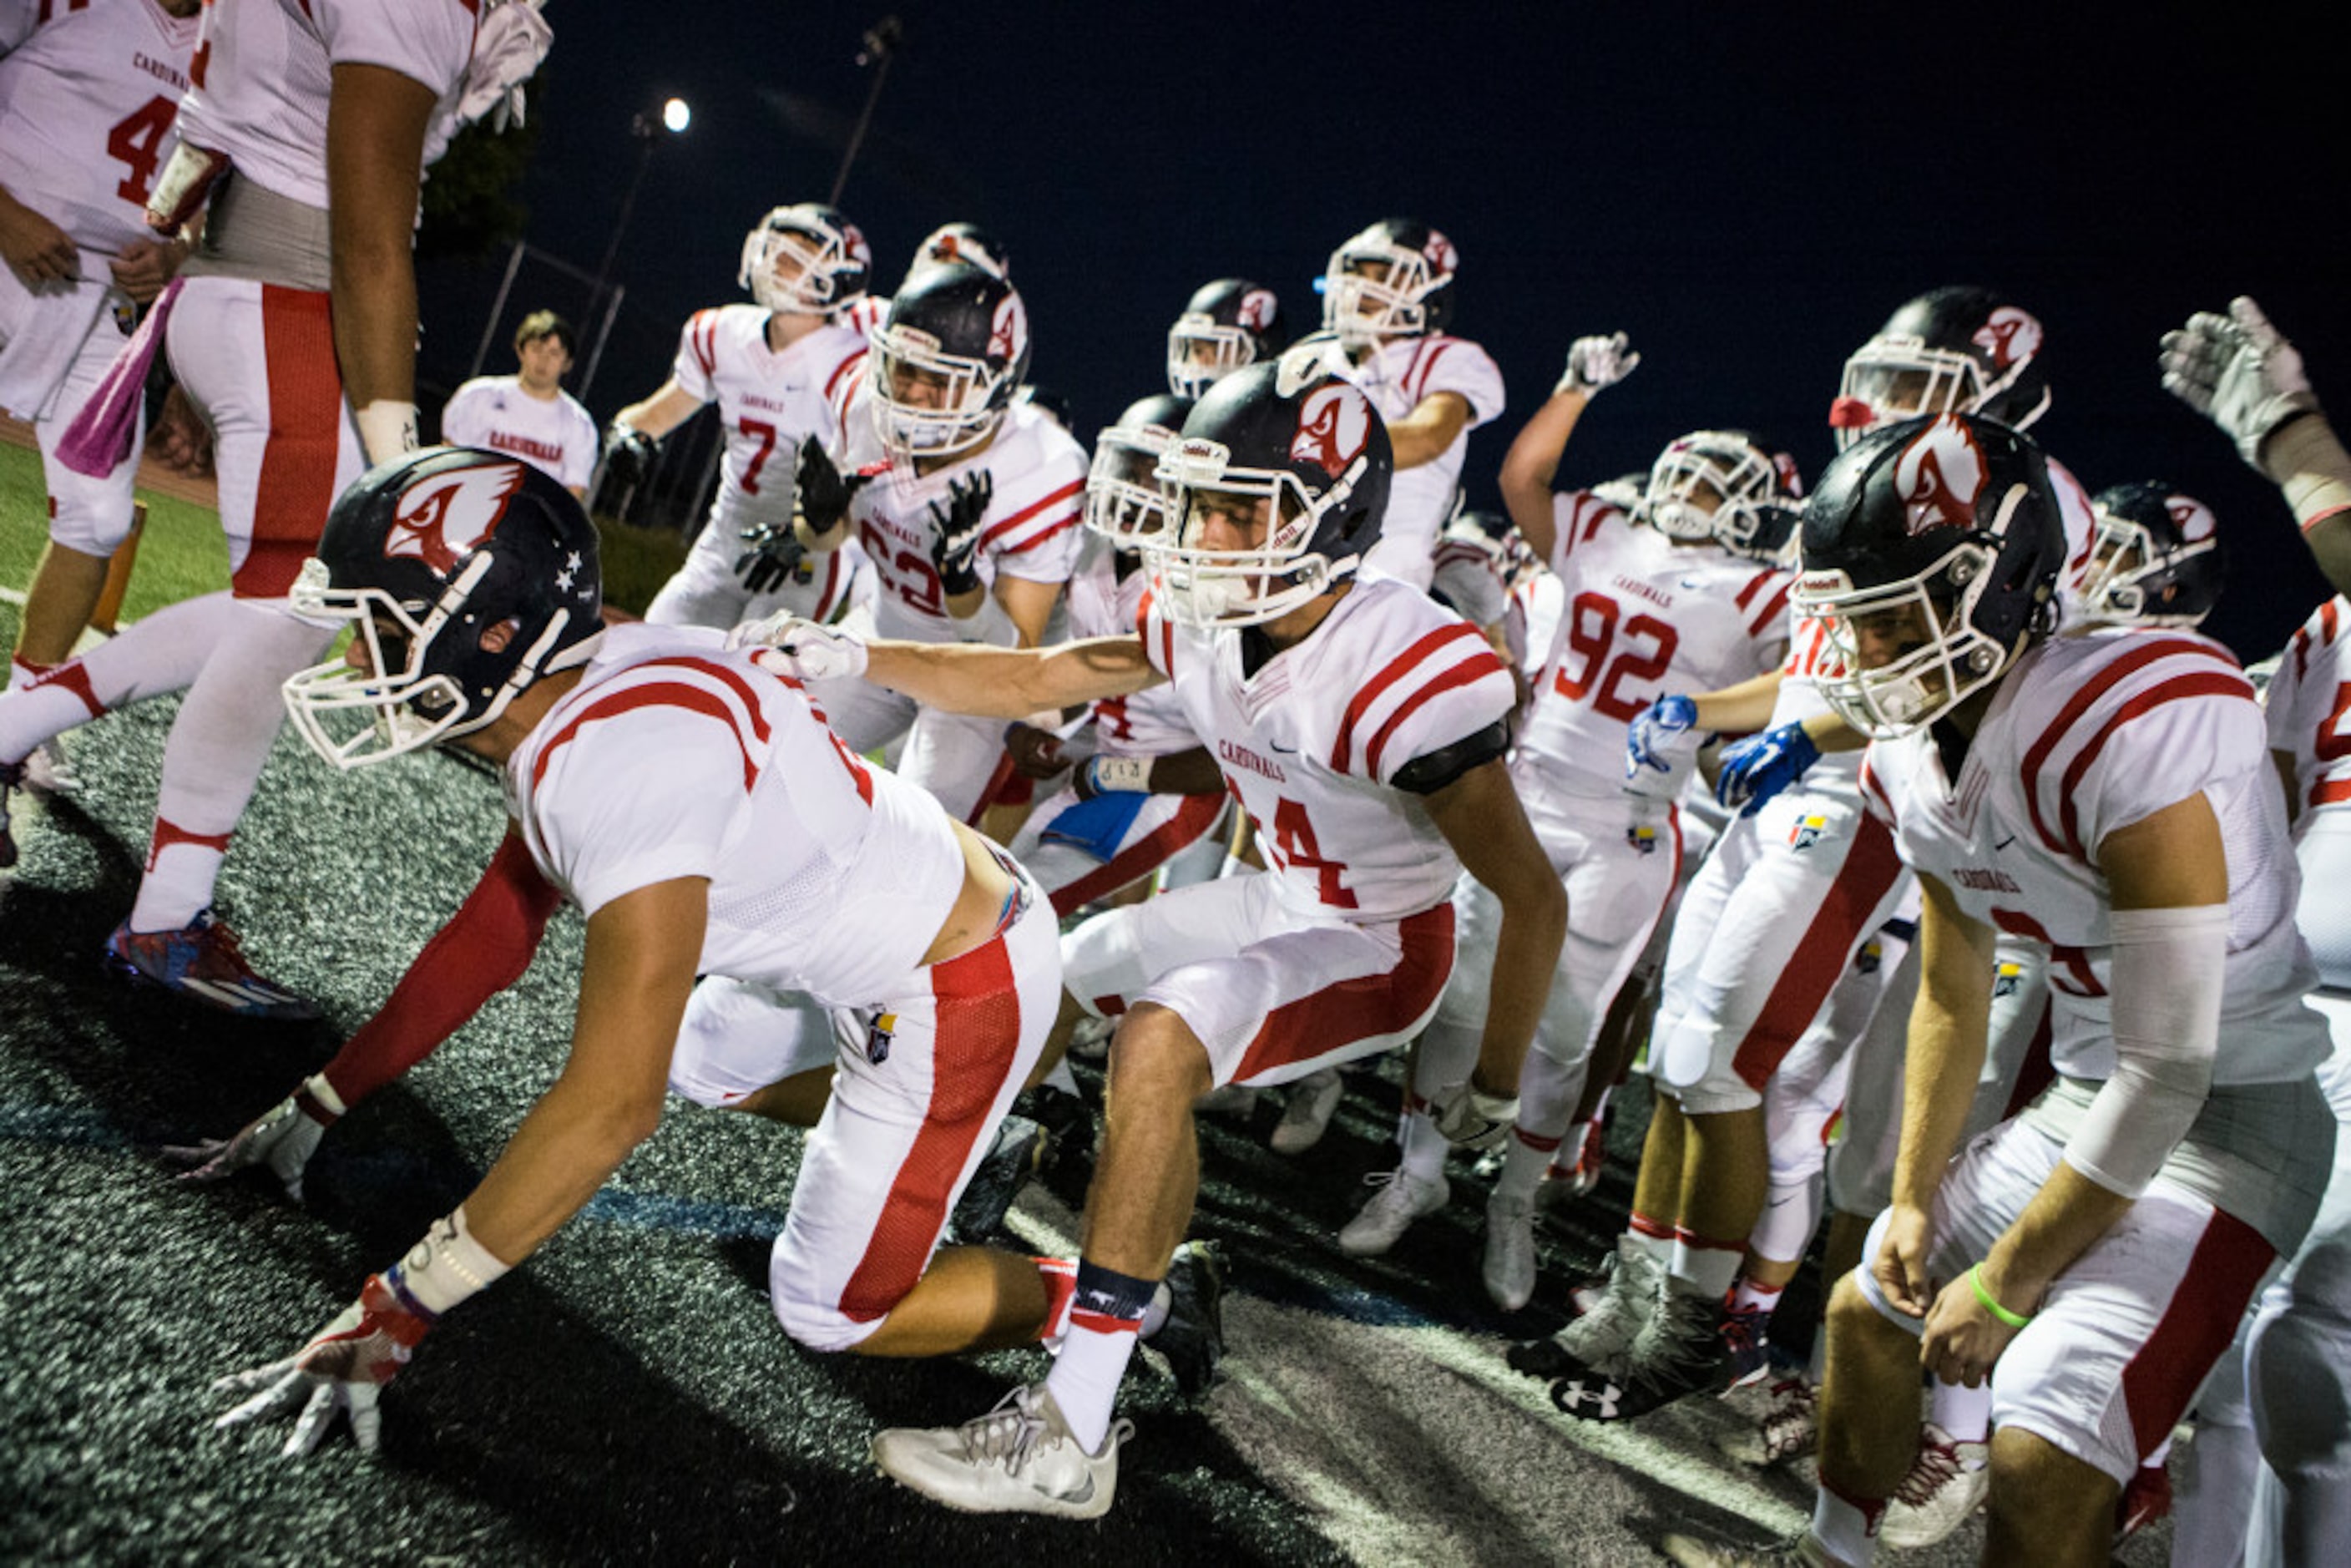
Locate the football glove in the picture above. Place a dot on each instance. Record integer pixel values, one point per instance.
(1470, 1118)
(1596, 364)
(343, 1368)
(1760, 767)
(1657, 732)
(954, 531)
(2237, 371)
(284, 1138)
(798, 649)
(771, 551)
(629, 455)
(823, 494)
(1036, 752)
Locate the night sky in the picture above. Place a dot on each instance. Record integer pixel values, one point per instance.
(1748, 194)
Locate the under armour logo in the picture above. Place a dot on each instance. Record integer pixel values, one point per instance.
(1573, 1394)
(442, 519)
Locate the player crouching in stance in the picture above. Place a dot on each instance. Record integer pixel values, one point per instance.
(2105, 793)
(699, 811)
(1362, 727)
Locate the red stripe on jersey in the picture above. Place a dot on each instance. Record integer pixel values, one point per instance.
(1035, 540)
(1876, 786)
(1760, 624)
(834, 581)
(2016, 923)
(1437, 350)
(2330, 792)
(1821, 957)
(977, 1000)
(2196, 1325)
(1466, 672)
(848, 362)
(1396, 670)
(1194, 818)
(2130, 662)
(1327, 1022)
(998, 531)
(672, 694)
(1746, 595)
(297, 486)
(2201, 683)
(702, 337)
(2039, 1068)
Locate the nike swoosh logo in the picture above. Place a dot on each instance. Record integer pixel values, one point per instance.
(2004, 843)
(1285, 751)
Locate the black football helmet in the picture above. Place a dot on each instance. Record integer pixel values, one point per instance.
(1392, 280)
(1942, 538)
(420, 557)
(806, 259)
(1303, 452)
(947, 360)
(1961, 350)
(2158, 561)
(966, 243)
(1227, 324)
(1124, 501)
(1727, 486)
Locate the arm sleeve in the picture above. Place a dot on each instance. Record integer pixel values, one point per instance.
(2169, 970)
(483, 949)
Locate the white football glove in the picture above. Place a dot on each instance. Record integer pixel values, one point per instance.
(1471, 1118)
(286, 1137)
(2237, 371)
(798, 649)
(1596, 364)
(343, 1368)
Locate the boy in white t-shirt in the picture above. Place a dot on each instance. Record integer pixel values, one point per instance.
(530, 415)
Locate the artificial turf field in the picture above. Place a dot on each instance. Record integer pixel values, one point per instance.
(626, 1396)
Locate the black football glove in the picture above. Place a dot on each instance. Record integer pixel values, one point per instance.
(823, 493)
(954, 543)
(629, 455)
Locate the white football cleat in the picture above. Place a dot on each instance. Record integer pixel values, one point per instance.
(1402, 1198)
(1510, 1268)
(1789, 1427)
(1947, 1482)
(1019, 1457)
(1314, 1100)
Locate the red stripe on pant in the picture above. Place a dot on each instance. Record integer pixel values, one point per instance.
(978, 1038)
(297, 487)
(2229, 1262)
(1340, 1014)
(1147, 854)
(168, 834)
(1820, 956)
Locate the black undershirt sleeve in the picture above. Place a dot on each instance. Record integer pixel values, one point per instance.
(1432, 771)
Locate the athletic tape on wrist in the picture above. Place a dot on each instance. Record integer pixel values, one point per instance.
(446, 1267)
(1129, 773)
(2310, 466)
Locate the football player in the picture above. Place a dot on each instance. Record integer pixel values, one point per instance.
(695, 807)
(781, 371)
(1225, 325)
(529, 414)
(298, 345)
(82, 132)
(967, 503)
(1387, 295)
(2108, 793)
(1362, 727)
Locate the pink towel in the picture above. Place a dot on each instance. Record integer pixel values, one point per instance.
(98, 439)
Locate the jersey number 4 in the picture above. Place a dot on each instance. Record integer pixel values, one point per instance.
(1294, 845)
(136, 142)
(1592, 629)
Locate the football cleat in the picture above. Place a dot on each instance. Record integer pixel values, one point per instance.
(1401, 1197)
(1090, 1041)
(12, 777)
(1607, 1327)
(1804, 1552)
(1679, 1352)
(1591, 1158)
(1068, 1123)
(1006, 1169)
(48, 770)
(1191, 1340)
(1510, 1264)
(1314, 1100)
(1947, 1482)
(2145, 1499)
(1746, 1334)
(1789, 1427)
(1019, 1457)
(203, 963)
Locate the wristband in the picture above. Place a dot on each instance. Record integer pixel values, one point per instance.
(2014, 1319)
(319, 1100)
(445, 1268)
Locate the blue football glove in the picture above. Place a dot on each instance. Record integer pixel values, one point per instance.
(1651, 741)
(1760, 766)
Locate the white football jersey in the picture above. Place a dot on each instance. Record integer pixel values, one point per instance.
(769, 401)
(1643, 617)
(1039, 474)
(1311, 743)
(555, 436)
(262, 71)
(1101, 605)
(2088, 734)
(2309, 707)
(1398, 376)
(673, 759)
(89, 93)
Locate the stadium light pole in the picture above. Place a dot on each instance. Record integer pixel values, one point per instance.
(672, 119)
(881, 47)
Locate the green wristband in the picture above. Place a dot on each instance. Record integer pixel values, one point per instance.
(2014, 1319)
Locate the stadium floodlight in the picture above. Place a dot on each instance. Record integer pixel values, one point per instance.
(677, 115)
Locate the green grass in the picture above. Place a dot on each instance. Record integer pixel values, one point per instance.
(183, 555)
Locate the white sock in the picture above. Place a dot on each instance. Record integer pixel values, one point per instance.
(1085, 1378)
(1424, 1146)
(1849, 1533)
(1705, 1267)
(1523, 1165)
(1962, 1412)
